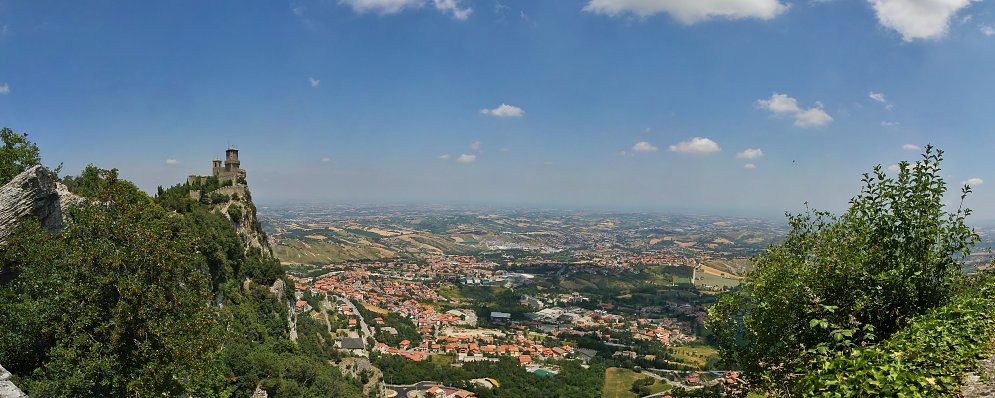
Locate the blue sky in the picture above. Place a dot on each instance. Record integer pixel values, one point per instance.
(723, 106)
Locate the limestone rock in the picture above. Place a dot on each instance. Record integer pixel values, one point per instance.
(277, 288)
(242, 215)
(356, 367)
(7, 388)
(35, 193)
(259, 393)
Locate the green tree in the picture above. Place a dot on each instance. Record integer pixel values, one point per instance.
(840, 281)
(16, 155)
(118, 307)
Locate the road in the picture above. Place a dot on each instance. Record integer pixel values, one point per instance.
(363, 327)
(325, 305)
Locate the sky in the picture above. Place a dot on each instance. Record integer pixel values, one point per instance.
(739, 107)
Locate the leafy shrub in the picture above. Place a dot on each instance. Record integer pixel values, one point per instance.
(858, 277)
(926, 359)
(235, 214)
(16, 154)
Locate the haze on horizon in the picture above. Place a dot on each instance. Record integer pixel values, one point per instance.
(736, 107)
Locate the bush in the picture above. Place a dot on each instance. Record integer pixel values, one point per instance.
(235, 214)
(17, 154)
(926, 359)
(859, 277)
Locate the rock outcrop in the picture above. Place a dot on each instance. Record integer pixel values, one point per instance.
(7, 388)
(35, 193)
(242, 214)
(357, 367)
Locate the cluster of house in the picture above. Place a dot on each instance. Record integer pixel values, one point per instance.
(483, 347)
(406, 298)
(448, 392)
(662, 258)
(668, 331)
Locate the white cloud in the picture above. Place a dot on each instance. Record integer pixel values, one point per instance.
(643, 146)
(782, 104)
(444, 157)
(689, 11)
(973, 182)
(172, 161)
(696, 145)
(894, 168)
(464, 158)
(812, 117)
(752, 153)
(326, 159)
(749, 166)
(504, 110)
(779, 104)
(313, 82)
(453, 7)
(918, 19)
(887, 123)
(4, 88)
(475, 145)
(879, 97)
(910, 147)
(381, 6)
(987, 30)
(387, 7)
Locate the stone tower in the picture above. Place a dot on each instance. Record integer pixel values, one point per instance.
(231, 160)
(216, 168)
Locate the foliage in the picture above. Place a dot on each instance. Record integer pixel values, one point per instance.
(840, 282)
(139, 297)
(120, 289)
(572, 381)
(926, 359)
(235, 214)
(16, 155)
(257, 351)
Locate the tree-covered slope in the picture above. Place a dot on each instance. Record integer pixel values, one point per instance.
(142, 296)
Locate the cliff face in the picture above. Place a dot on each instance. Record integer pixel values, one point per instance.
(242, 213)
(35, 193)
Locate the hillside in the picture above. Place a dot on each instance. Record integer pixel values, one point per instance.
(132, 295)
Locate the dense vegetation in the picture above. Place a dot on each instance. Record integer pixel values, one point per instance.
(141, 297)
(826, 311)
(573, 380)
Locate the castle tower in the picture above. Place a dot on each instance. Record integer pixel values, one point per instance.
(231, 160)
(216, 167)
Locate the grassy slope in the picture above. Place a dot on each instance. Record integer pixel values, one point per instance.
(618, 382)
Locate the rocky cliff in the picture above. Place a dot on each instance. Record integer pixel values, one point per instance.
(35, 193)
(242, 214)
